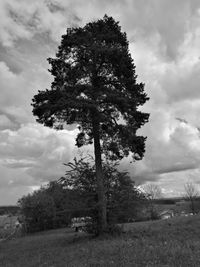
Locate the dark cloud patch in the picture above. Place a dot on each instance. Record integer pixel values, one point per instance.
(19, 164)
(10, 121)
(54, 6)
(182, 82)
(45, 173)
(164, 21)
(182, 120)
(13, 62)
(177, 168)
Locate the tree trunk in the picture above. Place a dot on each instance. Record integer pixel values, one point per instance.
(102, 216)
(192, 205)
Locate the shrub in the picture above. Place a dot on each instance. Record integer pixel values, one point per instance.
(38, 210)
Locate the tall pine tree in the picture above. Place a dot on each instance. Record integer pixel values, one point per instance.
(95, 86)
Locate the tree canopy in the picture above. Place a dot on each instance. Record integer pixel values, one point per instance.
(94, 79)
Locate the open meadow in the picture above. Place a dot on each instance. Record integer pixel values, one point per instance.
(172, 242)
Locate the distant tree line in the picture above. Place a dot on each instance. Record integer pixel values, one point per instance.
(13, 210)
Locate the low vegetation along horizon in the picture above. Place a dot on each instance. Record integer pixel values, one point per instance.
(172, 242)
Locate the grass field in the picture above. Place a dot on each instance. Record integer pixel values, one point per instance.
(174, 242)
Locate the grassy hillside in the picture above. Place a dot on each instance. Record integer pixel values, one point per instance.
(174, 242)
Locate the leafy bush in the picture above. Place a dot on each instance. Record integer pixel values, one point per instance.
(122, 197)
(46, 208)
(39, 211)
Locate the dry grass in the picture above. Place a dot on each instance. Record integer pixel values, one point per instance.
(174, 242)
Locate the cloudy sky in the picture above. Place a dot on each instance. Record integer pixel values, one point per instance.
(164, 38)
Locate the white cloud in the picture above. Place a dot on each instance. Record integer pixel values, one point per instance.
(36, 152)
(17, 91)
(164, 43)
(23, 19)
